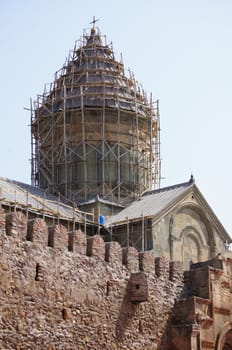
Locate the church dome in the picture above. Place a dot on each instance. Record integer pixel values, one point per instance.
(94, 74)
(94, 132)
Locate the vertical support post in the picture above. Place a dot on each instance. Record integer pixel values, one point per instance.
(54, 181)
(151, 175)
(98, 223)
(85, 223)
(74, 222)
(111, 232)
(65, 142)
(58, 208)
(137, 144)
(103, 142)
(83, 141)
(142, 233)
(44, 197)
(93, 214)
(15, 201)
(157, 148)
(118, 152)
(27, 207)
(33, 165)
(128, 234)
(39, 157)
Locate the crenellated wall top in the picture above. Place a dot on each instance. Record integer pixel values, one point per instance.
(57, 237)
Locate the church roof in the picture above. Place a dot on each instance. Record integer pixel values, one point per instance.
(151, 203)
(156, 204)
(21, 195)
(92, 77)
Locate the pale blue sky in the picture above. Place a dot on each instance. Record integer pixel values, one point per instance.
(179, 50)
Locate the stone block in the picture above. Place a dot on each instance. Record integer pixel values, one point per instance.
(58, 237)
(138, 287)
(162, 267)
(16, 225)
(37, 231)
(147, 261)
(176, 270)
(39, 273)
(77, 242)
(130, 258)
(96, 247)
(2, 220)
(113, 252)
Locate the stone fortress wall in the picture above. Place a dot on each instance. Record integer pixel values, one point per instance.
(63, 290)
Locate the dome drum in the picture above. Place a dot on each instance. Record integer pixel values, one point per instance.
(94, 132)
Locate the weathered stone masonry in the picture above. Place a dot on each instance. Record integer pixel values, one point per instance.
(65, 290)
(60, 290)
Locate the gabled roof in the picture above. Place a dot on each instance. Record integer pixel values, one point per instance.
(155, 204)
(151, 203)
(38, 201)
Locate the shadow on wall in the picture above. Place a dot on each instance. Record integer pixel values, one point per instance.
(165, 341)
(136, 292)
(126, 313)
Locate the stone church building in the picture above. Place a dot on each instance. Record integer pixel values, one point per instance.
(94, 254)
(177, 223)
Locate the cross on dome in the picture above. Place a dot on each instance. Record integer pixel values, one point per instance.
(94, 21)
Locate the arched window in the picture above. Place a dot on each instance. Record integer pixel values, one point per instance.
(191, 248)
(227, 341)
(224, 340)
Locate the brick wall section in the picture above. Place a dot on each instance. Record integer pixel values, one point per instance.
(162, 267)
(175, 270)
(53, 298)
(77, 242)
(130, 258)
(37, 231)
(113, 252)
(2, 220)
(96, 247)
(58, 237)
(146, 261)
(16, 225)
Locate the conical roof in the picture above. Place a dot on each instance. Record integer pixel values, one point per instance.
(92, 77)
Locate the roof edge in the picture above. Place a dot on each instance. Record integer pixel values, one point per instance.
(172, 187)
(98, 199)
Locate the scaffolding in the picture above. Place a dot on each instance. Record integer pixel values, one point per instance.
(93, 130)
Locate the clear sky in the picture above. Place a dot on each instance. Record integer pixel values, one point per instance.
(179, 50)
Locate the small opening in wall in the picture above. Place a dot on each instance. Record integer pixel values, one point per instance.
(64, 314)
(70, 241)
(37, 271)
(107, 288)
(140, 326)
(137, 286)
